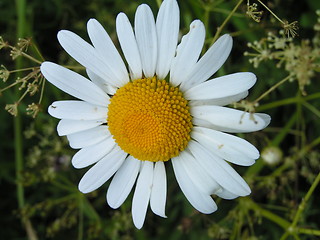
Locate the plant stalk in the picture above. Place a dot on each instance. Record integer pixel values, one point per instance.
(18, 142)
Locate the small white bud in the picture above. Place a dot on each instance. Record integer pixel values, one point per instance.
(271, 155)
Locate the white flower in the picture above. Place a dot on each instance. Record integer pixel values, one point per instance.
(129, 124)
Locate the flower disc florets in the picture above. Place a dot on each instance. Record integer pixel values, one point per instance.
(150, 119)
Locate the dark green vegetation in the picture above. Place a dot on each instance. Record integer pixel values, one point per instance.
(39, 195)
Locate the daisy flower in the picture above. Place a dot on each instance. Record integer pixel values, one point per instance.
(159, 106)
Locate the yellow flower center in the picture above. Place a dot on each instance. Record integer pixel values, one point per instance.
(150, 119)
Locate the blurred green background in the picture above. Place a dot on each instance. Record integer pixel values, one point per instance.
(39, 195)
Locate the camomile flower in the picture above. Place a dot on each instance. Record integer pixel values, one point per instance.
(161, 106)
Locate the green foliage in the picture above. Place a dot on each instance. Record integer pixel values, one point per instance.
(40, 199)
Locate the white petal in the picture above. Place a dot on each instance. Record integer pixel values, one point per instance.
(220, 101)
(101, 83)
(145, 30)
(88, 137)
(209, 63)
(142, 194)
(167, 26)
(188, 53)
(74, 84)
(200, 201)
(220, 170)
(159, 190)
(67, 126)
(230, 120)
(89, 155)
(226, 194)
(108, 52)
(102, 171)
(226, 146)
(201, 122)
(77, 110)
(123, 182)
(129, 45)
(266, 118)
(86, 55)
(221, 87)
(198, 174)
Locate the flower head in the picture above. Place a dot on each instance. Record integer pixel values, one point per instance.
(131, 123)
(252, 12)
(4, 73)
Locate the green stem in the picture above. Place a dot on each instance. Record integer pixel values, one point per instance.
(258, 166)
(313, 109)
(284, 236)
(276, 104)
(38, 52)
(42, 90)
(18, 143)
(312, 96)
(305, 200)
(292, 229)
(10, 86)
(20, 4)
(287, 101)
(272, 89)
(31, 58)
(206, 16)
(313, 143)
(22, 96)
(18, 160)
(267, 214)
(265, 6)
(21, 53)
(74, 67)
(309, 231)
(21, 70)
(219, 29)
(278, 172)
(158, 3)
(285, 130)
